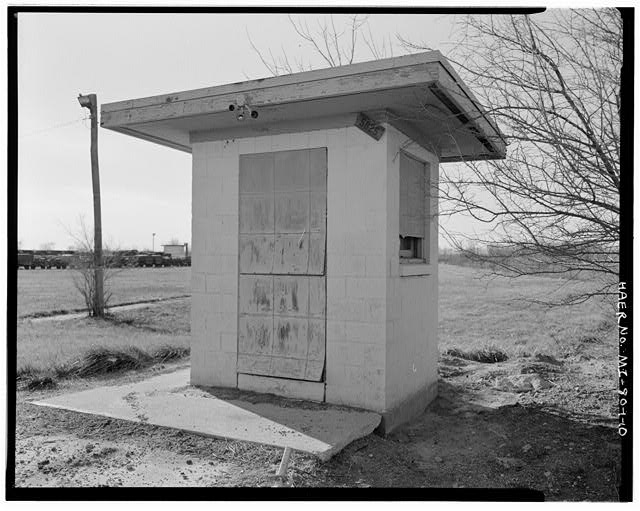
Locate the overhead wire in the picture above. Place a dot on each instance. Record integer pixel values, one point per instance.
(54, 127)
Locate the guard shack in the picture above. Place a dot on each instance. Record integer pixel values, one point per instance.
(314, 225)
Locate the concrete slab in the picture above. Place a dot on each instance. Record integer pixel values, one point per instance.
(168, 400)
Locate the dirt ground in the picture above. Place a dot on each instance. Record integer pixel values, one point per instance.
(472, 436)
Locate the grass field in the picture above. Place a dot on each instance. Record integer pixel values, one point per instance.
(559, 438)
(53, 290)
(476, 312)
(48, 345)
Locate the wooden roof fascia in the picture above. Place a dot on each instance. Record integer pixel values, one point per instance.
(297, 92)
(278, 81)
(429, 69)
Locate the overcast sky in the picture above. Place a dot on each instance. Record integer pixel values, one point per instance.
(146, 188)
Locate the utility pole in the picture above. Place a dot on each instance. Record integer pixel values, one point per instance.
(153, 242)
(90, 101)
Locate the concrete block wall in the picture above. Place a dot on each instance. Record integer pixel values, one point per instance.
(412, 293)
(381, 319)
(356, 269)
(356, 260)
(214, 264)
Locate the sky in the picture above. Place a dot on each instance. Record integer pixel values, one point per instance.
(145, 188)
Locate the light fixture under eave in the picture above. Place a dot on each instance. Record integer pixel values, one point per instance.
(243, 110)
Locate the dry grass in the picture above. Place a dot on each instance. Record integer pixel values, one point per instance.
(167, 318)
(484, 355)
(98, 362)
(53, 290)
(126, 340)
(49, 347)
(477, 315)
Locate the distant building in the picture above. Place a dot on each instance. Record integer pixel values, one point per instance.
(177, 251)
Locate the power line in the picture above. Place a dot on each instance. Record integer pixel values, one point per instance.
(51, 128)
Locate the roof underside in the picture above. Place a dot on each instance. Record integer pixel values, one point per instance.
(418, 94)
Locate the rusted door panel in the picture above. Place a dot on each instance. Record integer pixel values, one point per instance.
(282, 285)
(288, 367)
(254, 364)
(291, 171)
(317, 249)
(291, 296)
(290, 337)
(256, 214)
(292, 212)
(314, 370)
(318, 169)
(291, 253)
(318, 211)
(315, 347)
(256, 294)
(255, 334)
(256, 253)
(317, 297)
(256, 173)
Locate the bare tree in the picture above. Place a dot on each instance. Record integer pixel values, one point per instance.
(552, 83)
(84, 275)
(49, 245)
(335, 43)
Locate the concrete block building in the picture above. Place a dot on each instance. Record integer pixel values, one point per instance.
(314, 225)
(179, 251)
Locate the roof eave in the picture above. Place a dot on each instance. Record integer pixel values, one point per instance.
(429, 69)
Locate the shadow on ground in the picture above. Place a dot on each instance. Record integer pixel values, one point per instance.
(458, 443)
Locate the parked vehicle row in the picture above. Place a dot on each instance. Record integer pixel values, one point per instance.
(32, 259)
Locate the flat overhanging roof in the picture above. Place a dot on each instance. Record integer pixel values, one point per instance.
(420, 95)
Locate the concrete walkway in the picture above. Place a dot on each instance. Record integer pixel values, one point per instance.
(115, 308)
(168, 400)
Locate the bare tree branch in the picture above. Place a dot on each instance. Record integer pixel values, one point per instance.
(84, 268)
(551, 83)
(335, 45)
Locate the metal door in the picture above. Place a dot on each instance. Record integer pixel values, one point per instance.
(282, 264)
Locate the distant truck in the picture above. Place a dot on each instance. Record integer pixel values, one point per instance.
(32, 259)
(59, 261)
(41, 260)
(149, 259)
(25, 260)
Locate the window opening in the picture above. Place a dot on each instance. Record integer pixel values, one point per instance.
(414, 210)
